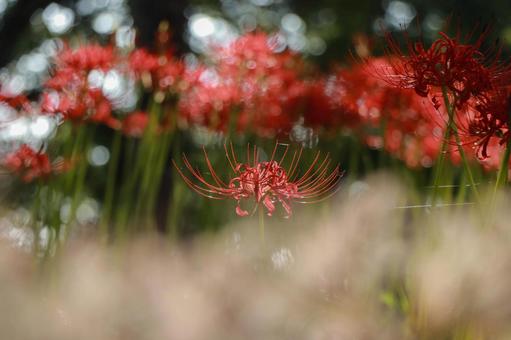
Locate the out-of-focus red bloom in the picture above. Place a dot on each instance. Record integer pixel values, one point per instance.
(463, 69)
(252, 86)
(169, 76)
(87, 58)
(259, 56)
(91, 106)
(69, 91)
(329, 107)
(486, 118)
(406, 125)
(17, 102)
(210, 103)
(134, 124)
(494, 153)
(30, 165)
(344, 99)
(161, 72)
(266, 182)
(141, 61)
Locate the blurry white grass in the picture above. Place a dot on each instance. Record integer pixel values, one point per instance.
(317, 278)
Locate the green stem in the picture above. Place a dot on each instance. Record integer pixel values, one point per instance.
(81, 148)
(504, 168)
(439, 166)
(158, 171)
(501, 181)
(454, 129)
(261, 225)
(75, 155)
(462, 189)
(149, 149)
(176, 199)
(127, 188)
(110, 184)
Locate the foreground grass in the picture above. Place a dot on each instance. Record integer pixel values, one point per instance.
(366, 267)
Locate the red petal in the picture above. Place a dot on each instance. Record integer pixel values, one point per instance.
(241, 212)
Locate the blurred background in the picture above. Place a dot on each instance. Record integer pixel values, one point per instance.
(326, 31)
(375, 261)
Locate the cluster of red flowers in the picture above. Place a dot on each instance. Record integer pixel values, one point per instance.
(473, 81)
(461, 68)
(395, 119)
(250, 86)
(30, 165)
(70, 92)
(75, 89)
(266, 182)
(256, 85)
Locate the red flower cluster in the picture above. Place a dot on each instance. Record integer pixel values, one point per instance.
(251, 86)
(75, 92)
(69, 91)
(17, 102)
(255, 85)
(329, 105)
(158, 72)
(30, 165)
(405, 125)
(462, 69)
(135, 124)
(487, 117)
(474, 81)
(267, 182)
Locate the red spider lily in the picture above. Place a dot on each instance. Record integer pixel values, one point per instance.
(486, 118)
(141, 61)
(86, 58)
(209, 103)
(257, 55)
(69, 92)
(91, 106)
(494, 154)
(18, 102)
(405, 125)
(266, 182)
(164, 72)
(328, 104)
(30, 165)
(135, 124)
(171, 75)
(247, 74)
(461, 68)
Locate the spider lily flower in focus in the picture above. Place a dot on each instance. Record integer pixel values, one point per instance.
(30, 165)
(464, 70)
(266, 183)
(487, 118)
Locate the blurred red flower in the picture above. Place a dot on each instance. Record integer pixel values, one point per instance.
(407, 126)
(30, 165)
(69, 91)
(253, 85)
(86, 58)
(135, 123)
